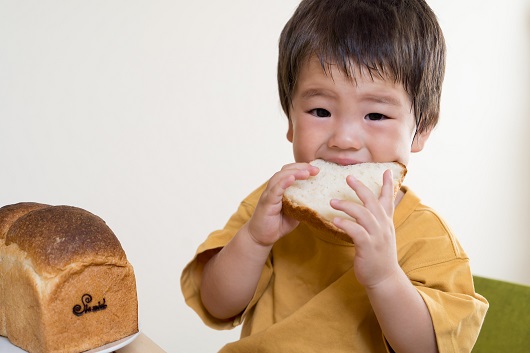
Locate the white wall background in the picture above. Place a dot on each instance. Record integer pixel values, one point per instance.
(160, 116)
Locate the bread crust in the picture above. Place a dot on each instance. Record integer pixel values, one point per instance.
(307, 215)
(65, 283)
(56, 236)
(10, 213)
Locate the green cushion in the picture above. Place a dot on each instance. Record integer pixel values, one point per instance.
(506, 328)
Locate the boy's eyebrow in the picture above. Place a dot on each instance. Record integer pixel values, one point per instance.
(314, 92)
(385, 99)
(375, 98)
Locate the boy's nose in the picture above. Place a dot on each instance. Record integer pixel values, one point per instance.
(346, 136)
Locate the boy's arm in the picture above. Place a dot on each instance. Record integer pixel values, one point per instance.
(231, 276)
(402, 315)
(400, 310)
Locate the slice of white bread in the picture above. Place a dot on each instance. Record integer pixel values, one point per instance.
(309, 200)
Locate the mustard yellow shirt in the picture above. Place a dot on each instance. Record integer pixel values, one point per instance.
(308, 298)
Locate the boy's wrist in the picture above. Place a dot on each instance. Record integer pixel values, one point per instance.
(253, 241)
(391, 283)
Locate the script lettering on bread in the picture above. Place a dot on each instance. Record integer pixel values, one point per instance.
(84, 308)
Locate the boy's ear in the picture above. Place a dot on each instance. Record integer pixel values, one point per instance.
(419, 140)
(290, 131)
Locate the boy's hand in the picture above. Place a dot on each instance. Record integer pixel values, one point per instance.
(373, 234)
(268, 223)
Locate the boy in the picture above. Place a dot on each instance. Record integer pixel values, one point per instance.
(360, 81)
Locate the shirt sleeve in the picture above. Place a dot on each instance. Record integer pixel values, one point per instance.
(191, 277)
(441, 273)
(457, 311)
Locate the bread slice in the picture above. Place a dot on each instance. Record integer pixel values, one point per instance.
(309, 200)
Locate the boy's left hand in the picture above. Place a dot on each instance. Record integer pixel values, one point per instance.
(373, 231)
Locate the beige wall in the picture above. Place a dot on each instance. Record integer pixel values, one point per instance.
(159, 116)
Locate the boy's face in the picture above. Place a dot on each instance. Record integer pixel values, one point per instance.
(351, 121)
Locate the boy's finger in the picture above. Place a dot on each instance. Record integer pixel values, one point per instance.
(301, 166)
(387, 192)
(354, 230)
(371, 201)
(366, 195)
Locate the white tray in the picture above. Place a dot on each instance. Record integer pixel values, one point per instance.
(8, 347)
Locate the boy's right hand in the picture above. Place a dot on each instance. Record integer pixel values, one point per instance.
(268, 223)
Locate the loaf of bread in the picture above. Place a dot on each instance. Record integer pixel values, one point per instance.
(66, 285)
(309, 200)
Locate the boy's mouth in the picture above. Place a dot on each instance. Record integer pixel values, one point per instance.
(343, 161)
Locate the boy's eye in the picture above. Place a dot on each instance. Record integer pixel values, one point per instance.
(320, 113)
(375, 116)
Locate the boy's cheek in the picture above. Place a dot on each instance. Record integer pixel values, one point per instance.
(303, 153)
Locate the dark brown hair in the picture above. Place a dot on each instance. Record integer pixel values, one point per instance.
(393, 39)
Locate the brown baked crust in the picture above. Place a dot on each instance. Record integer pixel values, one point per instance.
(56, 236)
(307, 215)
(10, 213)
